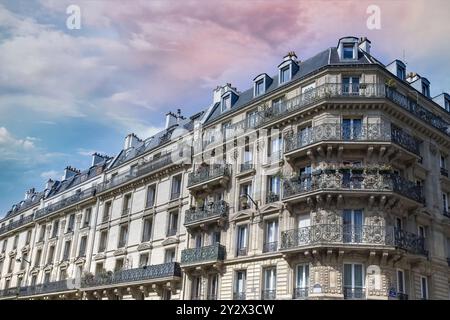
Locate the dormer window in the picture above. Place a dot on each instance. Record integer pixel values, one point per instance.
(285, 74)
(348, 50)
(259, 87)
(425, 89)
(401, 72)
(447, 105)
(226, 103)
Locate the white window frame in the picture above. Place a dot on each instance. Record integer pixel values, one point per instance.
(288, 67)
(261, 82)
(225, 98)
(305, 280)
(348, 44)
(403, 282)
(426, 288)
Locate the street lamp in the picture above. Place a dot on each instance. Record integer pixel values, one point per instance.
(244, 203)
(20, 259)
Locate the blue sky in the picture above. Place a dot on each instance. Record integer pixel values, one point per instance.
(67, 93)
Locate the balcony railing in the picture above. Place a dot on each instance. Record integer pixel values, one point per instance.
(327, 234)
(212, 210)
(268, 294)
(410, 242)
(159, 271)
(354, 293)
(77, 197)
(338, 132)
(270, 246)
(204, 174)
(10, 292)
(239, 296)
(50, 287)
(352, 179)
(446, 213)
(240, 252)
(301, 293)
(172, 231)
(215, 252)
(246, 166)
(16, 224)
(272, 197)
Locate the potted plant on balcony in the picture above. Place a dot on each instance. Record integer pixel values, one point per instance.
(330, 171)
(344, 170)
(385, 170)
(363, 85)
(357, 170)
(390, 83)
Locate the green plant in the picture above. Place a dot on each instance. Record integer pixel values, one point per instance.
(391, 83)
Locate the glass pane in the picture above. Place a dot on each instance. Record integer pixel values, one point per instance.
(347, 275)
(358, 276)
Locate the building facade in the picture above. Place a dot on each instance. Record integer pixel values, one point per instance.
(328, 180)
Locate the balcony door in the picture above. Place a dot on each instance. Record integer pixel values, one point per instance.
(304, 136)
(352, 226)
(353, 281)
(242, 240)
(351, 129)
(302, 283)
(350, 85)
(305, 177)
(270, 283)
(239, 292)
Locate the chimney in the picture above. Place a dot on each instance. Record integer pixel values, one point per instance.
(217, 93)
(290, 56)
(171, 119)
(49, 184)
(412, 76)
(98, 158)
(364, 44)
(70, 172)
(29, 193)
(131, 141)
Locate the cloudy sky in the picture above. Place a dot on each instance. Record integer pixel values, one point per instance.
(66, 93)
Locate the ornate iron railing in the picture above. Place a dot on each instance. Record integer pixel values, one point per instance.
(10, 292)
(50, 287)
(206, 173)
(352, 179)
(77, 197)
(212, 210)
(270, 246)
(338, 132)
(268, 294)
(272, 197)
(240, 252)
(159, 271)
(246, 166)
(354, 293)
(410, 242)
(326, 234)
(16, 224)
(215, 252)
(301, 293)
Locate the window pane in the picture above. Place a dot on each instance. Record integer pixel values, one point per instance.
(358, 276)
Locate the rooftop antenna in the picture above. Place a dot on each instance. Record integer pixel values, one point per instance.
(404, 57)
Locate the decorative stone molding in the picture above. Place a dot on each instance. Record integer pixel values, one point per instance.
(2, 256)
(100, 256)
(25, 249)
(48, 267)
(80, 260)
(170, 241)
(144, 246)
(120, 252)
(12, 253)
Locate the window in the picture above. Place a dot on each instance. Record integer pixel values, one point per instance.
(107, 211)
(421, 231)
(252, 118)
(401, 72)
(51, 254)
(259, 87)
(273, 188)
(425, 89)
(126, 209)
(303, 221)
(226, 103)
(98, 268)
(28, 238)
(119, 265)
(63, 274)
(277, 105)
(353, 281)
(242, 235)
(352, 225)
(442, 162)
(351, 129)
(215, 237)
(1, 267)
(398, 223)
(123, 236)
(15, 242)
(87, 217)
(271, 236)
(347, 49)
(5, 243)
(42, 234)
(447, 105)
(47, 277)
(37, 259)
(83, 242)
(103, 240)
(198, 240)
(55, 229)
(302, 281)
(350, 85)
(305, 136)
(172, 225)
(176, 187)
(445, 204)
(196, 289)
(227, 132)
(248, 156)
(11, 264)
(423, 288)
(400, 282)
(150, 196)
(270, 284)
(305, 177)
(33, 280)
(143, 260)
(23, 261)
(71, 224)
(245, 188)
(147, 231)
(213, 282)
(285, 74)
(274, 150)
(169, 256)
(66, 252)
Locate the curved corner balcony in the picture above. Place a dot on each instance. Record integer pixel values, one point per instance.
(357, 181)
(209, 176)
(16, 224)
(65, 203)
(210, 213)
(203, 255)
(364, 137)
(353, 236)
(147, 274)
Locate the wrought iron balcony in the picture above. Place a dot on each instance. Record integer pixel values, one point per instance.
(240, 252)
(444, 172)
(49, 287)
(354, 293)
(64, 203)
(16, 224)
(246, 166)
(211, 211)
(147, 273)
(204, 174)
(172, 231)
(337, 234)
(301, 293)
(238, 295)
(358, 179)
(272, 197)
(446, 213)
(268, 294)
(211, 297)
(270, 246)
(207, 254)
(338, 132)
(410, 242)
(10, 292)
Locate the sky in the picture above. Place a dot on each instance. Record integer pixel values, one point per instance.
(66, 93)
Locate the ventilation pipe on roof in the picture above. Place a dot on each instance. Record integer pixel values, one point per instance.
(29, 193)
(49, 184)
(131, 140)
(98, 158)
(70, 172)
